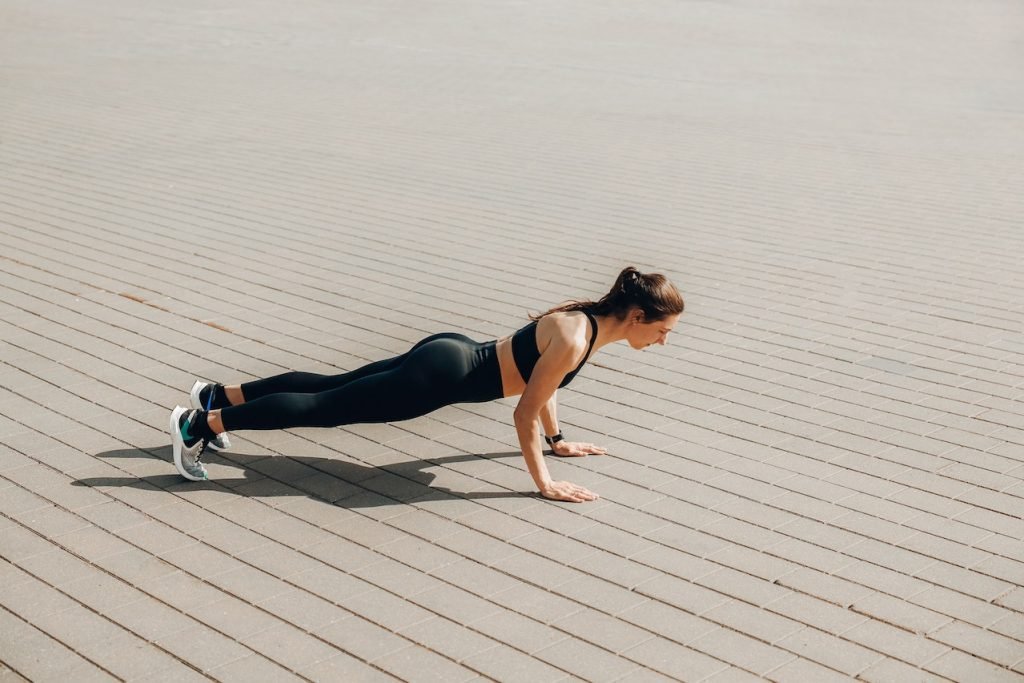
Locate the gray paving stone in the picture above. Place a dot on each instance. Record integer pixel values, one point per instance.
(290, 647)
(343, 667)
(991, 646)
(394, 612)
(363, 639)
(504, 663)
(35, 599)
(674, 660)
(830, 651)
(448, 638)
(962, 607)
(57, 567)
(603, 630)
(149, 618)
(181, 590)
(18, 500)
(456, 604)
(913, 649)
(469, 575)
(894, 670)
(805, 670)
(892, 610)
(958, 665)
(833, 432)
(253, 667)
(32, 653)
(303, 609)
(7, 674)
(586, 660)
(518, 631)
(668, 621)
(828, 588)
(203, 648)
(419, 663)
(741, 651)
(822, 615)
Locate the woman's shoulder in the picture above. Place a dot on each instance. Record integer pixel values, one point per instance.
(565, 328)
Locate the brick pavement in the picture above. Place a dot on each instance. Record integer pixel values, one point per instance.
(819, 478)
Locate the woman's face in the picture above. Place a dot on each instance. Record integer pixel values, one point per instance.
(642, 334)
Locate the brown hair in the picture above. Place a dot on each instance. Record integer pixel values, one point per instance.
(652, 293)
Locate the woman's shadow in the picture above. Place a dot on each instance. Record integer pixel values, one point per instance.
(334, 481)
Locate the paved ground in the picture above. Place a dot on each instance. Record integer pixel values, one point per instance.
(819, 478)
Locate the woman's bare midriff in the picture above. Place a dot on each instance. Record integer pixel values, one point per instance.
(512, 383)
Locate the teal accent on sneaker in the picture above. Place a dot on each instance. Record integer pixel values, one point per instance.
(187, 458)
(186, 430)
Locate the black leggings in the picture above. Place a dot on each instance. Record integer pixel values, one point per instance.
(438, 371)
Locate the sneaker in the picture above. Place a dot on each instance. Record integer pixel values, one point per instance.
(220, 442)
(188, 449)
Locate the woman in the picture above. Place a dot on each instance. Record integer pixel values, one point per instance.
(444, 369)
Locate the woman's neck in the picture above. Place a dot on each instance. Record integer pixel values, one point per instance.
(609, 330)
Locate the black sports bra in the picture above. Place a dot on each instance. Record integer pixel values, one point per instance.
(526, 353)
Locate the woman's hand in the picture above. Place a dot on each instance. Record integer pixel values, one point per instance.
(572, 449)
(564, 490)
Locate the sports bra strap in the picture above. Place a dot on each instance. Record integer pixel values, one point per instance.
(590, 349)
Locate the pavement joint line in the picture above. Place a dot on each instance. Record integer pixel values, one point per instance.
(727, 539)
(996, 511)
(829, 524)
(373, 550)
(842, 418)
(437, 614)
(185, 614)
(87, 607)
(250, 339)
(37, 629)
(537, 586)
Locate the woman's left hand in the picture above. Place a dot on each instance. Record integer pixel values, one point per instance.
(572, 449)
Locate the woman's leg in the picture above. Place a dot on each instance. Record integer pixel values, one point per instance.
(312, 383)
(428, 377)
(415, 384)
(305, 382)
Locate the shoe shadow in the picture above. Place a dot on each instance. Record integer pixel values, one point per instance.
(333, 481)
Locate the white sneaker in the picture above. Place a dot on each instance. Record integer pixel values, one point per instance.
(188, 448)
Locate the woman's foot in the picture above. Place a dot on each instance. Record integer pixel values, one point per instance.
(187, 444)
(204, 397)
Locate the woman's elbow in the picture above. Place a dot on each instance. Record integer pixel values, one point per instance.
(524, 416)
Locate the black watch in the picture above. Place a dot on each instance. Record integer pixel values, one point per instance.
(552, 440)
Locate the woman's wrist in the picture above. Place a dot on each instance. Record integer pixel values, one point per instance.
(552, 440)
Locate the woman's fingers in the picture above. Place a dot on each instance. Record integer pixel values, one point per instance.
(575, 450)
(567, 491)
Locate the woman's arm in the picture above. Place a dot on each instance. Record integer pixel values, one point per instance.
(549, 415)
(557, 360)
(549, 421)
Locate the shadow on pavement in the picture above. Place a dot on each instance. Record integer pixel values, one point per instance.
(334, 481)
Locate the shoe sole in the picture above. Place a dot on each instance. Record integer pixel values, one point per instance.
(177, 444)
(196, 403)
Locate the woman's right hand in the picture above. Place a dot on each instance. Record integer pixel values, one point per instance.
(564, 490)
